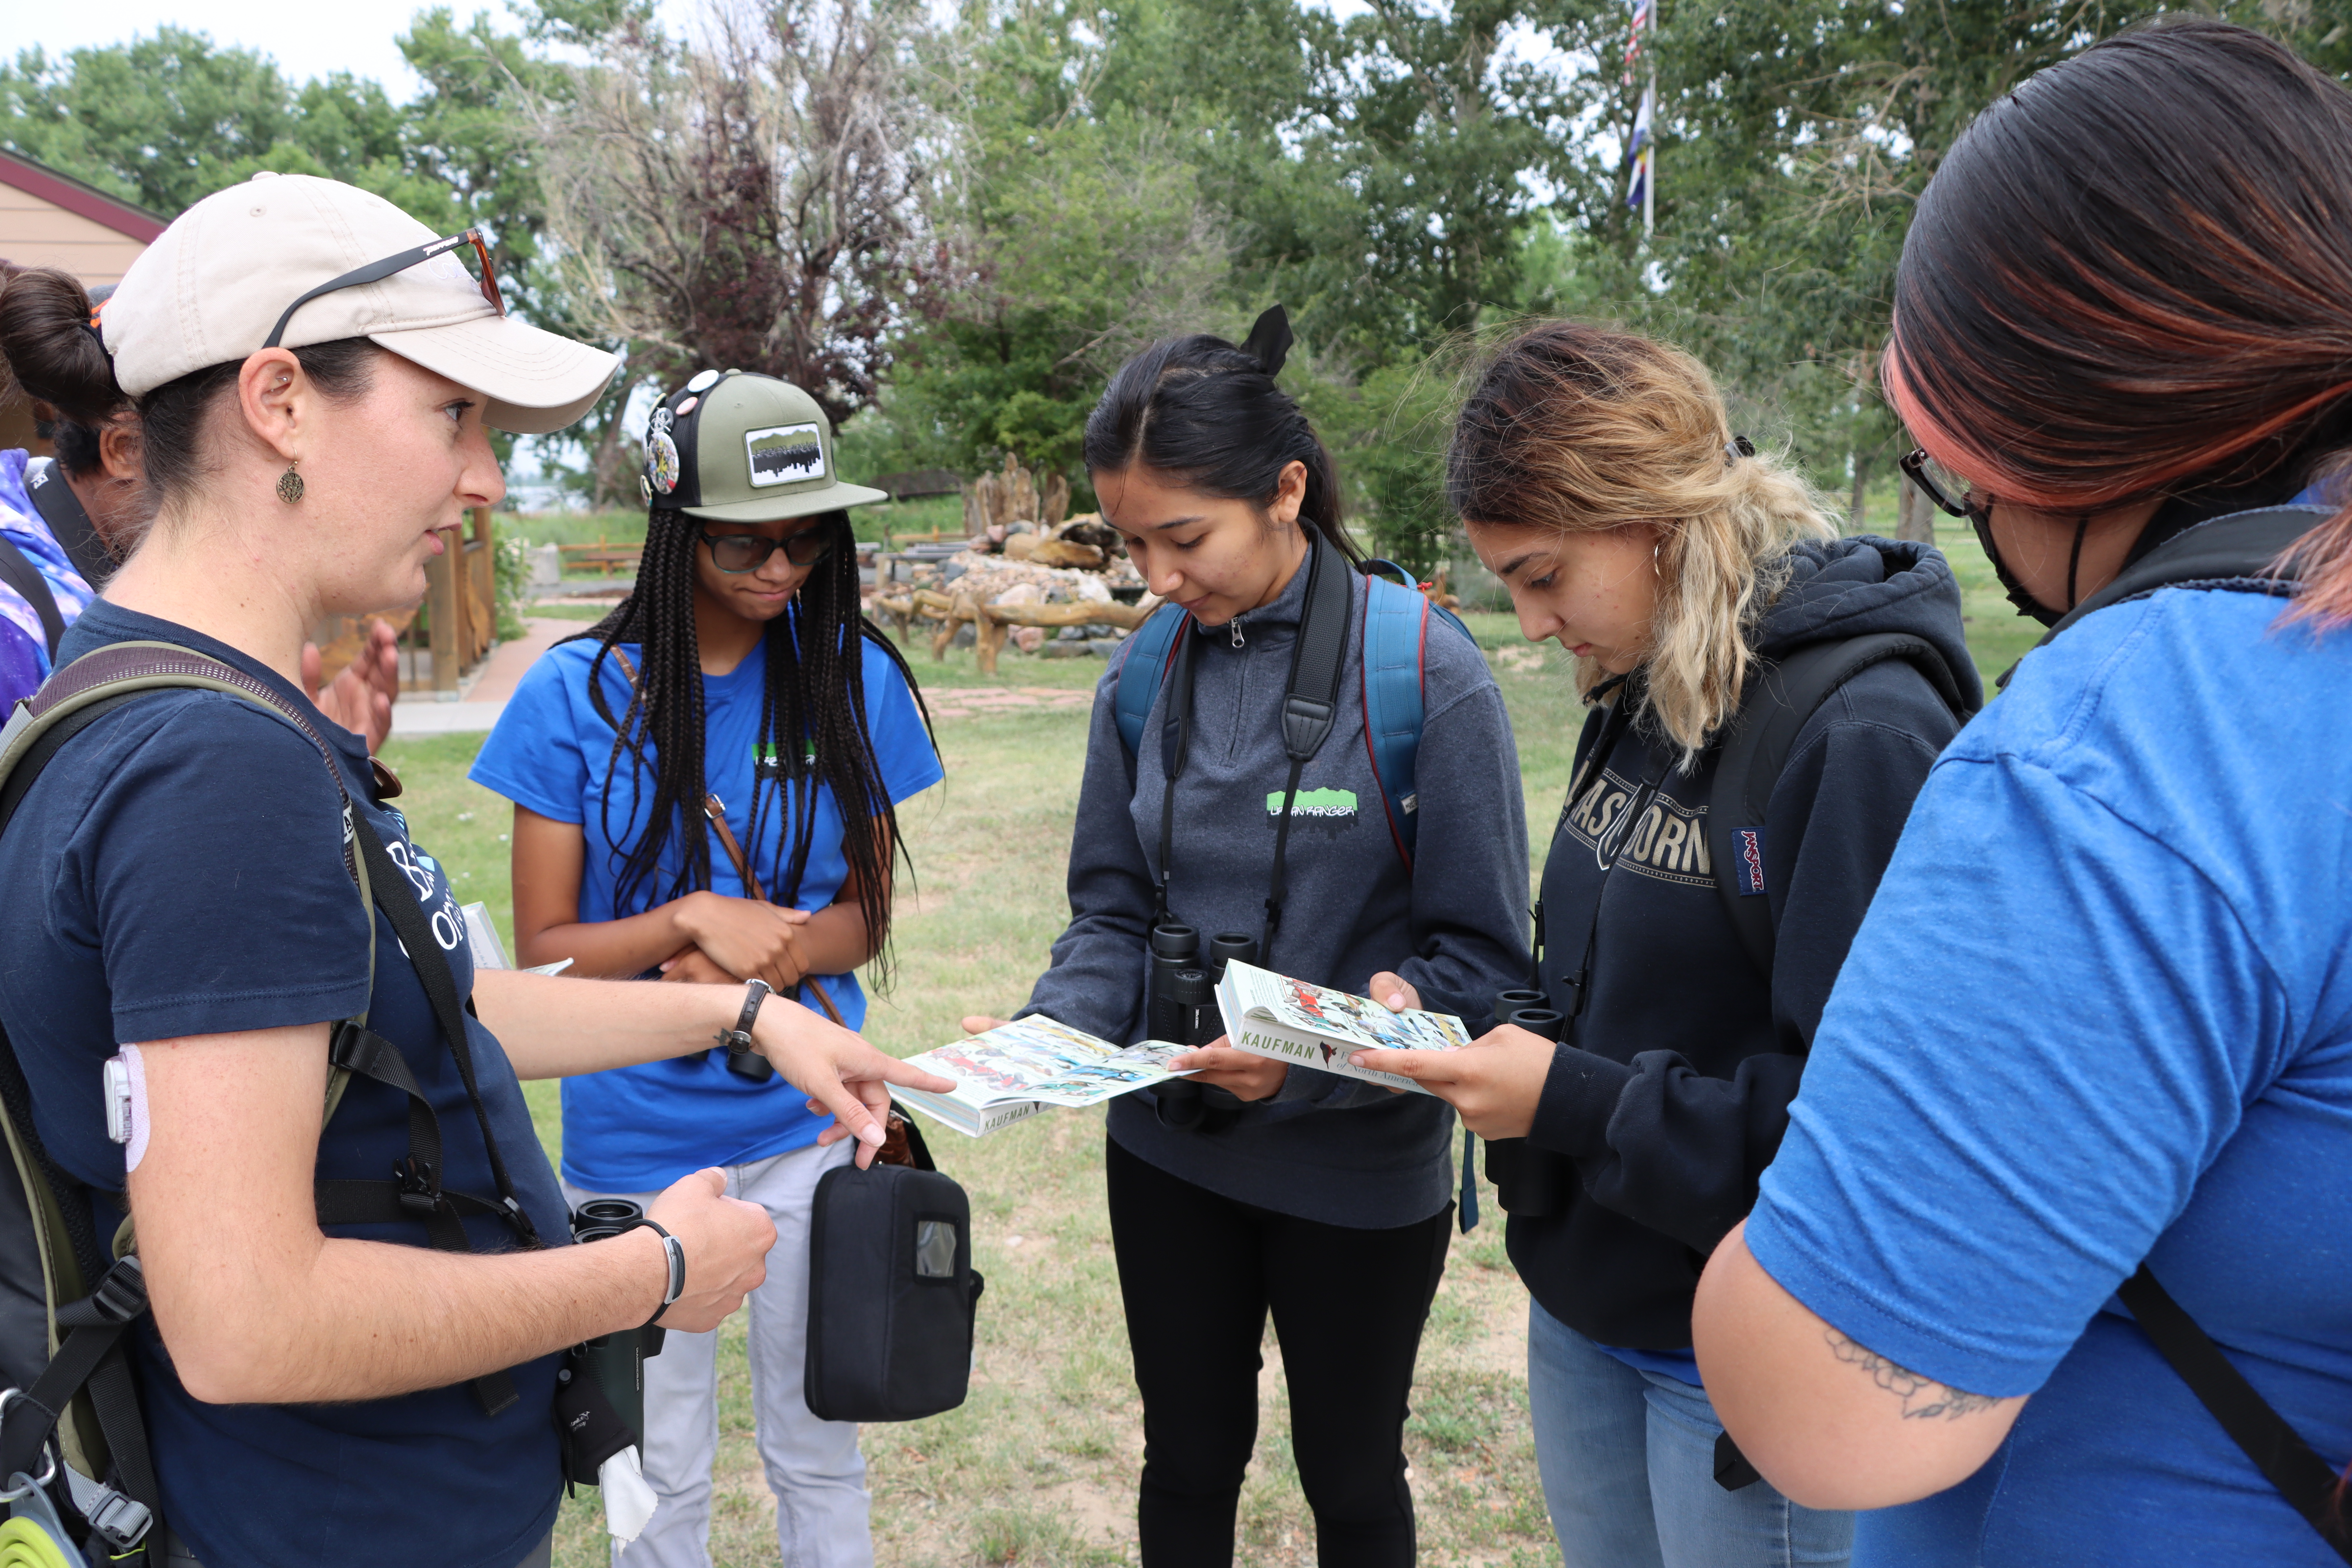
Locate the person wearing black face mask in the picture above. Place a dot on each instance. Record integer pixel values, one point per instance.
(2049, 560)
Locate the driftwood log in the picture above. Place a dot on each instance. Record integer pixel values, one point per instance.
(993, 623)
(996, 622)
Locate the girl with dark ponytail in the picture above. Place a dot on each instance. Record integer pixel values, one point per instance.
(1320, 1199)
(706, 788)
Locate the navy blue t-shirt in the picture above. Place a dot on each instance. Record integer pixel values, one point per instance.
(177, 870)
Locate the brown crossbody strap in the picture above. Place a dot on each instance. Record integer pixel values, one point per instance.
(715, 810)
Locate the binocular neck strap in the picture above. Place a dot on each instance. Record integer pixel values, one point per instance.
(1310, 706)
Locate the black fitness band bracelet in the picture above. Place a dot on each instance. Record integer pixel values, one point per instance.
(739, 1038)
(674, 1251)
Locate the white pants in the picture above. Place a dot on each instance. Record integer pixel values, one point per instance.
(813, 1467)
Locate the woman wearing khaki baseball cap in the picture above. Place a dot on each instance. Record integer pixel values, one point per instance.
(322, 1381)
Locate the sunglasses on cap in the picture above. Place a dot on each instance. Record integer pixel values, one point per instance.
(377, 271)
(735, 553)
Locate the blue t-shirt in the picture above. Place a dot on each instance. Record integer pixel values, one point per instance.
(178, 869)
(2100, 1011)
(638, 1128)
(24, 646)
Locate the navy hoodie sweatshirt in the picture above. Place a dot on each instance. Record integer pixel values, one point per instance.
(1670, 1092)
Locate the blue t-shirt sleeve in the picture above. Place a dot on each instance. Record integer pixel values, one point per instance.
(211, 865)
(534, 756)
(2049, 1024)
(903, 752)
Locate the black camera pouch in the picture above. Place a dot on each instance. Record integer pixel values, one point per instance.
(892, 1295)
(591, 1430)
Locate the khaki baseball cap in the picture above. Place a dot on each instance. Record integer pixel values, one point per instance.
(734, 447)
(212, 287)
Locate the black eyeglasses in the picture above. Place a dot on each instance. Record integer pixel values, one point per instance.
(1939, 484)
(735, 553)
(377, 271)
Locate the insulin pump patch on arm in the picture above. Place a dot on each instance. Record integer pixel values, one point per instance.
(126, 1105)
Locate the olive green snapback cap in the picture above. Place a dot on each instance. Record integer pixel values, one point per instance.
(735, 446)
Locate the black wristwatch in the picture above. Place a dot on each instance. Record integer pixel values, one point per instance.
(741, 1060)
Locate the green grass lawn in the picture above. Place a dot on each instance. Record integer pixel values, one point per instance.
(1039, 1467)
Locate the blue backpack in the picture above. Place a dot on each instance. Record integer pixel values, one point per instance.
(1396, 631)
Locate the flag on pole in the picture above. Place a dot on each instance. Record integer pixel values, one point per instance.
(1644, 11)
(1643, 152)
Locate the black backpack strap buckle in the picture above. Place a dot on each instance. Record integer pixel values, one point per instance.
(122, 1294)
(419, 1183)
(524, 1230)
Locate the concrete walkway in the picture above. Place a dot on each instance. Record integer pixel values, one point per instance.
(483, 697)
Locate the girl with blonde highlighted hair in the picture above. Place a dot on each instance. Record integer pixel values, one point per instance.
(1634, 1108)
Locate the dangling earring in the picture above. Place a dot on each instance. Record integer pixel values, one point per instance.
(289, 484)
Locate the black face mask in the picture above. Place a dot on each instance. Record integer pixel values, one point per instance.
(1980, 518)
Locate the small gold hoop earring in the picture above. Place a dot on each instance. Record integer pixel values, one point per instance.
(289, 484)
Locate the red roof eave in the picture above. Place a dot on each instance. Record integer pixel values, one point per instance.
(84, 201)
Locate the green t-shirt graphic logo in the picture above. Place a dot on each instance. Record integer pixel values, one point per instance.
(1328, 803)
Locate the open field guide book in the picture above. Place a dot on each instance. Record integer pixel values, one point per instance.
(1271, 1014)
(1018, 1070)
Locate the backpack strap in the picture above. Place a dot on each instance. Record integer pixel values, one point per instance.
(18, 572)
(74, 697)
(1141, 671)
(2308, 1482)
(2236, 551)
(1782, 696)
(1396, 634)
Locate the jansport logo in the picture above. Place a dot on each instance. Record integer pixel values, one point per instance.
(784, 454)
(1751, 841)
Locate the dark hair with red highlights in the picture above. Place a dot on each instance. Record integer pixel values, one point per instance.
(2132, 277)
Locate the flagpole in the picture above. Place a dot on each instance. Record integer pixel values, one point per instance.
(1650, 185)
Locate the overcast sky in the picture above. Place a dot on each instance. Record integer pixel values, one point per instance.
(306, 37)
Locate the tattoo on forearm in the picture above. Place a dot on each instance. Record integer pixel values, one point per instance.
(1924, 1399)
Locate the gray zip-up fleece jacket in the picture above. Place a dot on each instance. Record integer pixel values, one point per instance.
(1325, 1148)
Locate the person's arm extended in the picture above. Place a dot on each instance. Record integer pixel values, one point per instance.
(1831, 1423)
(736, 937)
(556, 1026)
(257, 1306)
(1679, 1151)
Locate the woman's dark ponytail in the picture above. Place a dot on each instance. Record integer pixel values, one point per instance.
(54, 351)
(51, 349)
(1209, 416)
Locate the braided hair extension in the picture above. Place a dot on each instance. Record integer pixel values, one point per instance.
(813, 729)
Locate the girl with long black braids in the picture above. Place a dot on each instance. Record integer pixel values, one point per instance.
(705, 790)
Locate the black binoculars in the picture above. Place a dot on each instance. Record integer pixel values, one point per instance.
(1182, 1010)
(615, 1363)
(1528, 1179)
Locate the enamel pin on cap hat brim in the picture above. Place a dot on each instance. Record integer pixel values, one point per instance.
(213, 284)
(734, 447)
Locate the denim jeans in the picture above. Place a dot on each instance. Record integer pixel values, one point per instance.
(813, 1467)
(1628, 1463)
